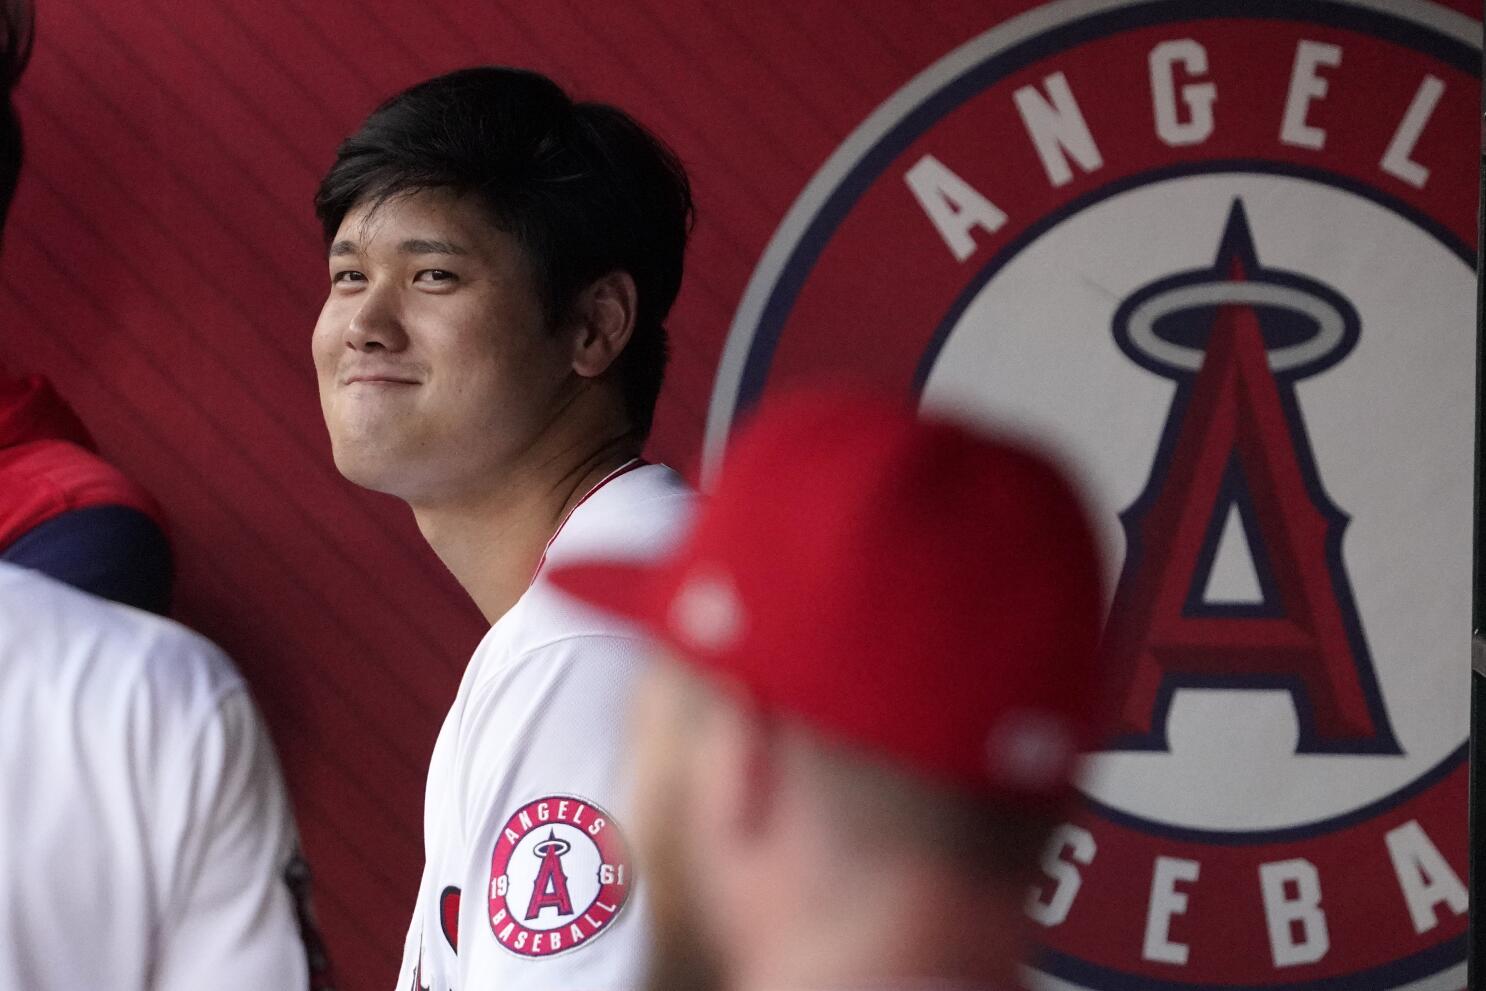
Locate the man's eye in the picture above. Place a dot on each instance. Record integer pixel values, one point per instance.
(349, 275)
(435, 275)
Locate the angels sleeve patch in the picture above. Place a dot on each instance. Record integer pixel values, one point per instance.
(559, 876)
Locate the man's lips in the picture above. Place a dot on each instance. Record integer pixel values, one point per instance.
(379, 378)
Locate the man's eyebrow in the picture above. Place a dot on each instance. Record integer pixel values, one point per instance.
(430, 246)
(412, 246)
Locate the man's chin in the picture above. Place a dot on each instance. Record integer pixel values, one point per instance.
(372, 467)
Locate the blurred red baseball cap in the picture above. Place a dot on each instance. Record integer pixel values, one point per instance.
(907, 585)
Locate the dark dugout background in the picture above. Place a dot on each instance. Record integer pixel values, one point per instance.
(163, 265)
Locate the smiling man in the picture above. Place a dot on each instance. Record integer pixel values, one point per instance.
(502, 260)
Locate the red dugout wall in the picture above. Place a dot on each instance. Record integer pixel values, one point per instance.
(163, 265)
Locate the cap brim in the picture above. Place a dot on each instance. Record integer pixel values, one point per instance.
(627, 590)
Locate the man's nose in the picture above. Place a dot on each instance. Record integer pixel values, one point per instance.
(376, 325)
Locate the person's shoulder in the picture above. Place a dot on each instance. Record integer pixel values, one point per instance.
(645, 483)
(51, 631)
(81, 476)
(548, 629)
(637, 515)
(48, 477)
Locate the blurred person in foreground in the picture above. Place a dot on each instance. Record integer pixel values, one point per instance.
(878, 671)
(64, 510)
(501, 261)
(146, 841)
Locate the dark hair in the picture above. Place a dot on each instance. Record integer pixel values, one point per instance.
(581, 186)
(16, 35)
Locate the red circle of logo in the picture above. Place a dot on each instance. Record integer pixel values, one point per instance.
(559, 876)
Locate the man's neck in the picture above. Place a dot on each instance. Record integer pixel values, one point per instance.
(493, 542)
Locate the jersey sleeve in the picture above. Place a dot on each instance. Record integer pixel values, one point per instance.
(549, 900)
(115, 552)
(231, 915)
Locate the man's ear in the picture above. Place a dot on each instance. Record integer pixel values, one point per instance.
(744, 779)
(604, 319)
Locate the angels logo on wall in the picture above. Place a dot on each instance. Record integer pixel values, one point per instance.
(1219, 256)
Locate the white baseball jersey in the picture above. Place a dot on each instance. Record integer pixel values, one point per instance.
(144, 830)
(528, 882)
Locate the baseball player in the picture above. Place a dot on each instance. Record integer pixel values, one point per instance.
(146, 842)
(501, 261)
(64, 510)
(872, 698)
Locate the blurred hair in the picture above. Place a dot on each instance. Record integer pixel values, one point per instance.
(989, 842)
(877, 805)
(582, 187)
(17, 33)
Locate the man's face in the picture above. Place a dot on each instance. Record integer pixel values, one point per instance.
(436, 365)
(664, 721)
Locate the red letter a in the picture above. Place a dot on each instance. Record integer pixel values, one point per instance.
(1235, 438)
(551, 887)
